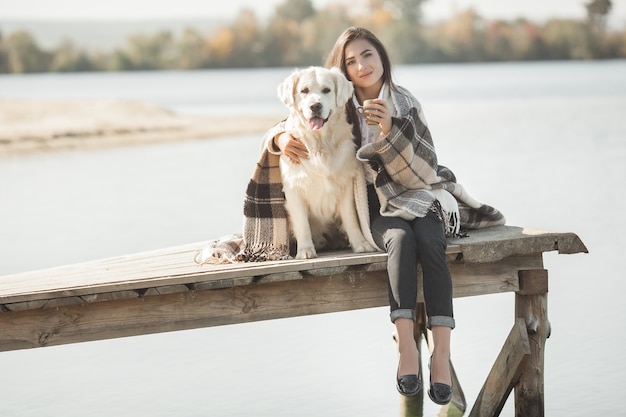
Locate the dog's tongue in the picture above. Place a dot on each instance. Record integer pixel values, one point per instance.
(316, 123)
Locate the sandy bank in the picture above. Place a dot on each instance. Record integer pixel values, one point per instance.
(28, 126)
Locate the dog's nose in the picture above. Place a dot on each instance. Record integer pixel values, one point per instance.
(316, 108)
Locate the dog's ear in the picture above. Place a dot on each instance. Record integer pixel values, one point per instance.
(286, 89)
(343, 87)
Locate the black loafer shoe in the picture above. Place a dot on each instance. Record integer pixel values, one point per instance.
(440, 393)
(409, 385)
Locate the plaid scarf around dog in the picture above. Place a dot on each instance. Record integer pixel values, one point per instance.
(266, 235)
(265, 228)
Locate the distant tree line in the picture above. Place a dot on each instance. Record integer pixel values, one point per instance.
(297, 35)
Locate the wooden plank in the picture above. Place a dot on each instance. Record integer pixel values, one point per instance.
(491, 278)
(468, 280)
(200, 306)
(129, 295)
(504, 374)
(99, 276)
(193, 309)
(494, 243)
(174, 266)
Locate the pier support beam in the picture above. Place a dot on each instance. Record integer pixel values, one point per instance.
(520, 362)
(504, 374)
(531, 305)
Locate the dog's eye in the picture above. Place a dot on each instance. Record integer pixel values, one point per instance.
(305, 90)
(326, 90)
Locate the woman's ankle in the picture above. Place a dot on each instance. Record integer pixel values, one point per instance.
(440, 370)
(408, 363)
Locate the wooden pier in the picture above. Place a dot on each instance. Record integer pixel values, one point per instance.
(165, 290)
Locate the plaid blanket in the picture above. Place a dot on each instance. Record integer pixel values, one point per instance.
(265, 228)
(266, 235)
(408, 181)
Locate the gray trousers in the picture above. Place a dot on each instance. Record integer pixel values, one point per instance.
(409, 243)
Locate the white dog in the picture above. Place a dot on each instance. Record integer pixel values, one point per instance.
(319, 191)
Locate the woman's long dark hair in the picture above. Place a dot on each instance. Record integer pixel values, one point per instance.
(336, 58)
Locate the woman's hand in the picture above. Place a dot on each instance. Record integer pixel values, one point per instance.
(291, 147)
(376, 111)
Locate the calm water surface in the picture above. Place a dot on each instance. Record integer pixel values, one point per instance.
(543, 142)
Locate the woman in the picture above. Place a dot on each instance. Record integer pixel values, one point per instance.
(406, 217)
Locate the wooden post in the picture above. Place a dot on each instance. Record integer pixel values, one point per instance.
(531, 305)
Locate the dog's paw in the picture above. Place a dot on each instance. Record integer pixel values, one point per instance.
(306, 253)
(363, 247)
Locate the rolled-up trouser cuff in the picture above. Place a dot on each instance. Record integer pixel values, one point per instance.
(441, 321)
(402, 313)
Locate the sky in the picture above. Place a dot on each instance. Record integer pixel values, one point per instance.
(537, 10)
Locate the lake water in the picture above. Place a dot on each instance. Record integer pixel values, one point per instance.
(543, 142)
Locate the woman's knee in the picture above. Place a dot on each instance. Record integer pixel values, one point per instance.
(393, 233)
(430, 235)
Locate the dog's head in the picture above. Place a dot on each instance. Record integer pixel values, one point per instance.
(315, 94)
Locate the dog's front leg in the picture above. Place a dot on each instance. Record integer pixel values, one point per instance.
(300, 227)
(350, 223)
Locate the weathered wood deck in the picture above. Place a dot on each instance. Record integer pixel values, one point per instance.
(165, 290)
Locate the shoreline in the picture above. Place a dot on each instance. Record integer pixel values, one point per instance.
(41, 126)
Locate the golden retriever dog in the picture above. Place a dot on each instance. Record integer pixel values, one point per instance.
(319, 191)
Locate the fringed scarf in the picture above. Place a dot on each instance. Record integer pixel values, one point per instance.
(265, 228)
(409, 180)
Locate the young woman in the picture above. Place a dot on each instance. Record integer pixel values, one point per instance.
(407, 218)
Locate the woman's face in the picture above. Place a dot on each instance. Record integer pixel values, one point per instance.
(363, 64)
